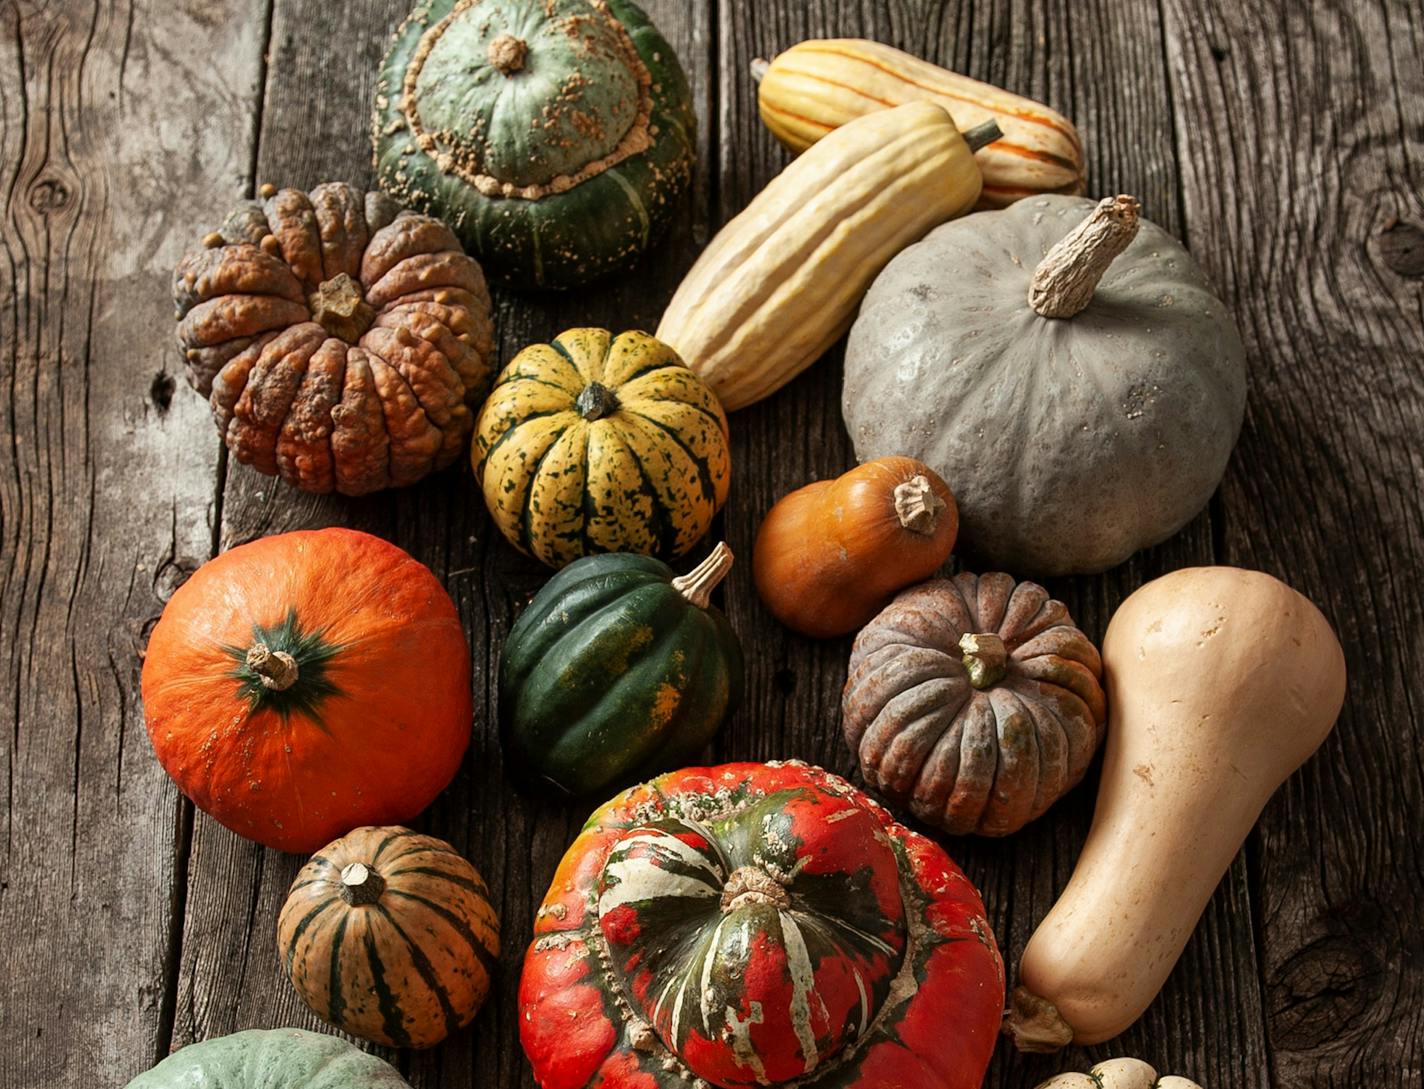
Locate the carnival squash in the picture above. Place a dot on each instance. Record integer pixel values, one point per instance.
(617, 670)
(1118, 1074)
(309, 683)
(343, 344)
(1076, 425)
(555, 136)
(781, 282)
(974, 702)
(601, 444)
(1221, 683)
(829, 556)
(816, 86)
(390, 935)
(758, 924)
(285, 1058)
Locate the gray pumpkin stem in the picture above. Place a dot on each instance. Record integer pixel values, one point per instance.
(760, 68)
(1064, 282)
(697, 585)
(276, 668)
(917, 506)
(985, 658)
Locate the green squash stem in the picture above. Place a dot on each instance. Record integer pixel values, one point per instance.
(697, 585)
(361, 885)
(1064, 282)
(982, 135)
(276, 668)
(985, 657)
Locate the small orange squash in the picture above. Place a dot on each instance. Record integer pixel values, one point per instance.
(830, 556)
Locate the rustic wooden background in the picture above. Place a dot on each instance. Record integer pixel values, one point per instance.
(1283, 140)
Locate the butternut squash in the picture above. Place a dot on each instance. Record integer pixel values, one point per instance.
(817, 86)
(1221, 682)
(781, 282)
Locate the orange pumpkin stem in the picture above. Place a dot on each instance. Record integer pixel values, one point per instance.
(277, 668)
(917, 506)
(753, 885)
(1064, 282)
(985, 657)
(697, 585)
(507, 53)
(361, 885)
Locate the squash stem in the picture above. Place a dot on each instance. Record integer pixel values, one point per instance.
(760, 68)
(277, 669)
(697, 585)
(985, 657)
(1064, 282)
(917, 506)
(1034, 1023)
(361, 885)
(982, 135)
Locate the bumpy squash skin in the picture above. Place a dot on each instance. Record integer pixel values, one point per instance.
(286, 1058)
(612, 675)
(570, 236)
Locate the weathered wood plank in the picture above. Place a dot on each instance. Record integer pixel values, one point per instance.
(1302, 137)
(114, 121)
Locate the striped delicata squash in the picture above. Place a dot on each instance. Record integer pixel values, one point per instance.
(819, 85)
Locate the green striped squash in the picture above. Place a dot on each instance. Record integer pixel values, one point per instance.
(286, 1058)
(390, 935)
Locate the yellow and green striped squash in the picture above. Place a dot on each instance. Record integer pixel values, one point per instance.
(596, 443)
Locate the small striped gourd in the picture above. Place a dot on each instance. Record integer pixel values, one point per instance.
(817, 86)
(390, 935)
(781, 282)
(596, 443)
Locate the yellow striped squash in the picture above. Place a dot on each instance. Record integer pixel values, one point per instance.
(600, 444)
(781, 282)
(819, 85)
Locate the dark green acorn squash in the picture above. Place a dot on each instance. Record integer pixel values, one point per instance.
(271, 1059)
(554, 136)
(617, 670)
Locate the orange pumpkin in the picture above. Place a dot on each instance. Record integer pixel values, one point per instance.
(830, 556)
(307, 684)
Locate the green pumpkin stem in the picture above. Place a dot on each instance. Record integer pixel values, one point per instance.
(361, 885)
(697, 585)
(917, 506)
(985, 657)
(982, 135)
(1064, 282)
(276, 668)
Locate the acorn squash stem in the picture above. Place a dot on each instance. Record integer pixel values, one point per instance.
(1064, 282)
(697, 585)
(982, 135)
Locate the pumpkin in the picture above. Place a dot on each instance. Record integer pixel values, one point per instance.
(390, 935)
(555, 136)
(286, 1058)
(974, 702)
(596, 443)
(1118, 1074)
(758, 924)
(309, 683)
(617, 670)
(1075, 427)
(343, 344)
(780, 283)
(816, 86)
(1222, 682)
(830, 556)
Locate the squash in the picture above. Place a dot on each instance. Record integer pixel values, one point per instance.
(1221, 682)
(974, 702)
(816, 86)
(601, 444)
(390, 935)
(780, 283)
(617, 670)
(758, 924)
(1075, 427)
(286, 1058)
(830, 556)
(343, 344)
(309, 683)
(556, 136)
(1118, 1074)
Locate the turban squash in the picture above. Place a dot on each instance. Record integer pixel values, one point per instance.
(284, 1058)
(758, 924)
(343, 344)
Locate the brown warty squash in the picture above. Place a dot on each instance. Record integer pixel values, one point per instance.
(830, 556)
(343, 344)
(390, 935)
(974, 702)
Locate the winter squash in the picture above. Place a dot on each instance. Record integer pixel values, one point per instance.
(617, 670)
(596, 443)
(1222, 682)
(816, 86)
(1075, 426)
(285, 1058)
(309, 683)
(555, 136)
(758, 924)
(830, 556)
(781, 282)
(1118, 1074)
(974, 702)
(343, 344)
(390, 935)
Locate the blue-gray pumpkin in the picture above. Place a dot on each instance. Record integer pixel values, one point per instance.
(286, 1058)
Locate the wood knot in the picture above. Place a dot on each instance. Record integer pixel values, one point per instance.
(1323, 991)
(49, 195)
(507, 53)
(1401, 248)
(753, 885)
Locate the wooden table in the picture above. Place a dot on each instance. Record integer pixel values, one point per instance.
(1284, 141)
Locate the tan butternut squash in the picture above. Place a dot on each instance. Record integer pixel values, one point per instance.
(1221, 682)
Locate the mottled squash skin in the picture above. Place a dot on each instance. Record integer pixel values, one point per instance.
(286, 1058)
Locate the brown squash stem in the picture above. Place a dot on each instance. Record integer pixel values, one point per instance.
(697, 585)
(361, 885)
(753, 885)
(339, 307)
(917, 505)
(1064, 282)
(277, 669)
(1034, 1024)
(985, 657)
(507, 53)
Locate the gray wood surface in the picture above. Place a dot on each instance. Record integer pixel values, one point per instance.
(1283, 141)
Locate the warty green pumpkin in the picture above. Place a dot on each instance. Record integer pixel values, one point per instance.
(287, 1058)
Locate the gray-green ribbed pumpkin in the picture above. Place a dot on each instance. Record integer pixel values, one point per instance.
(554, 136)
(286, 1058)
